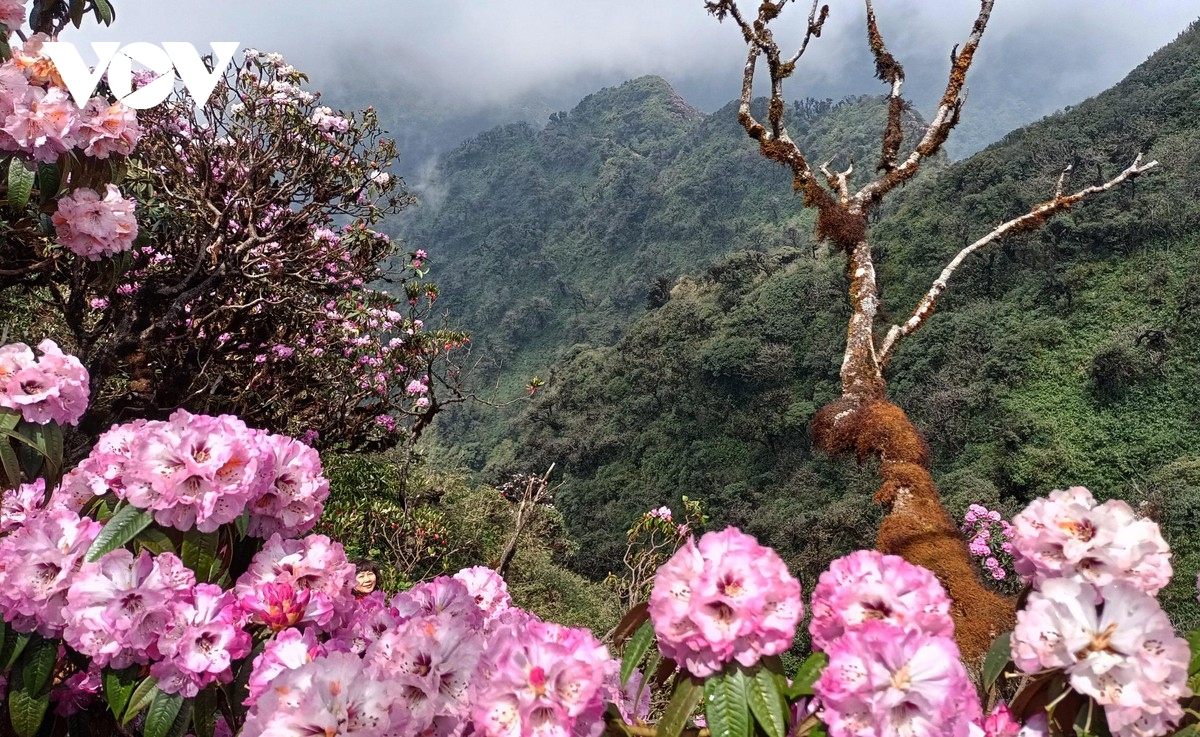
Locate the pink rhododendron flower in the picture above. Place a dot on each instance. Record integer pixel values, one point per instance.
(541, 679)
(430, 659)
(1068, 534)
(279, 605)
(366, 623)
(204, 638)
(331, 695)
(440, 595)
(106, 129)
(892, 682)
(488, 589)
(39, 562)
(632, 699)
(119, 606)
(43, 124)
(192, 470)
(12, 14)
(314, 563)
(1115, 644)
(289, 649)
(95, 227)
(294, 496)
(727, 598)
(52, 388)
(77, 692)
(870, 586)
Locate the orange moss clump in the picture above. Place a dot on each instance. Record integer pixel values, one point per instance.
(917, 527)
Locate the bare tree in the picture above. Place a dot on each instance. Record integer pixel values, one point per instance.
(917, 525)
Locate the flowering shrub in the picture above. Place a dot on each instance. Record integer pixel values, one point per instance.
(141, 592)
(989, 538)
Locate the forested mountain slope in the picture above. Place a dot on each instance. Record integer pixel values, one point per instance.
(551, 237)
(1067, 356)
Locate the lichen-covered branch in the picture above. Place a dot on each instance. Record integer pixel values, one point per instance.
(1029, 221)
(946, 117)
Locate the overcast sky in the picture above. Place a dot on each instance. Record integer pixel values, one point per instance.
(476, 53)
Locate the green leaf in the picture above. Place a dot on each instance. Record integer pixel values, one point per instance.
(118, 530)
(164, 710)
(204, 712)
(104, 12)
(725, 704)
(243, 524)
(9, 419)
(998, 657)
(26, 710)
(689, 692)
(36, 665)
(764, 690)
(1193, 639)
(635, 650)
(14, 644)
(5, 49)
(199, 552)
(807, 674)
(118, 687)
(154, 540)
(630, 623)
(10, 462)
(77, 9)
(142, 696)
(20, 184)
(48, 181)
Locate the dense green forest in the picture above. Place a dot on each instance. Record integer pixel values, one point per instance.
(1067, 356)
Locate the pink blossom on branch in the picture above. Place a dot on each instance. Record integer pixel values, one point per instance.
(51, 388)
(93, 227)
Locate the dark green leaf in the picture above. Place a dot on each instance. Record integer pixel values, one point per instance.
(164, 710)
(11, 464)
(14, 644)
(9, 419)
(998, 657)
(142, 696)
(204, 712)
(154, 540)
(725, 704)
(77, 9)
(764, 691)
(118, 530)
(48, 181)
(807, 674)
(688, 694)
(20, 184)
(199, 552)
(36, 664)
(118, 687)
(635, 650)
(243, 524)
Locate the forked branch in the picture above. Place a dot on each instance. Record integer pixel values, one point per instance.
(1029, 221)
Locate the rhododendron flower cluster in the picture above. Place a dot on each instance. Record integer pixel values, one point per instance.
(1115, 644)
(541, 678)
(870, 586)
(202, 472)
(52, 387)
(96, 227)
(119, 606)
(989, 538)
(314, 564)
(203, 639)
(487, 588)
(727, 598)
(37, 563)
(894, 667)
(1068, 534)
(883, 679)
(39, 119)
